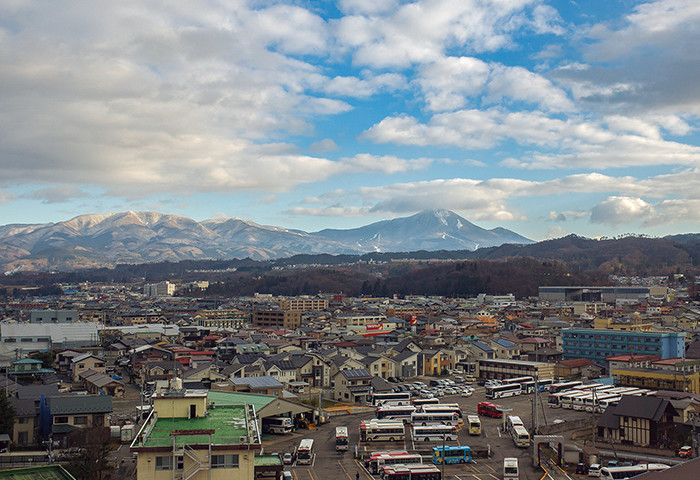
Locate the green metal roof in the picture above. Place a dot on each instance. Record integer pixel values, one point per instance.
(235, 398)
(267, 460)
(47, 472)
(228, 423)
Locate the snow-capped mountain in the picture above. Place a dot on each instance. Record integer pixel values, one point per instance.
(140, 237)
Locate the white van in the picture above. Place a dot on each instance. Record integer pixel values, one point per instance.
(594, 470)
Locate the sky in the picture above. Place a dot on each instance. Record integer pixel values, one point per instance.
(544, 117)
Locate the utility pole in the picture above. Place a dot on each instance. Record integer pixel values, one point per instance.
(442, 465)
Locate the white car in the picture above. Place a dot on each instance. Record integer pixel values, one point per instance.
(467, 392)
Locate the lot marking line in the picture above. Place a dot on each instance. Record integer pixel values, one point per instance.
(311, 474)
(489, 466)
(346, 472)
(364, 470)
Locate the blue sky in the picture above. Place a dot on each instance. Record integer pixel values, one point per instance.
(547, 118)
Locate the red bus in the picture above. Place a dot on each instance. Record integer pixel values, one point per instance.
(489, 409)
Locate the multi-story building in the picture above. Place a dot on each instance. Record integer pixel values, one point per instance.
(346, 321)
(500, 368)
(187, 436)
(601, 294)
(159, 289)
(289, 319)
(303, 304)
(598, 345)
(54, 316)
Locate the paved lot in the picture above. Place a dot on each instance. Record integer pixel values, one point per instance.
(329, 464)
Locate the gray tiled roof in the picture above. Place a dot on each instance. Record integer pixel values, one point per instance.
(76, 404)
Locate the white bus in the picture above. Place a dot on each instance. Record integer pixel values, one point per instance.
(561, 386)
(591, 403)
(395, 412)
(432, 418)
(518, 379)
(341, 438)
(389, 398)
(554, 399)
(505, 390)
(567, 401)
(382, 431)
(377, 462)
(442, 408)
(606, 402)
(579, 402)
(276, 425)
(305, 452)
(520, 436)
(510, 469)
(620, 473)
(424, 401)
(434, 433)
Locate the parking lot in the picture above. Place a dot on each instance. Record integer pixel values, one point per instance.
(341, 466)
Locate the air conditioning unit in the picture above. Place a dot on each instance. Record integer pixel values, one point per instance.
(243, 439)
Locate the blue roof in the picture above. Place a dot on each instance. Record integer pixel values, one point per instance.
(483, 346)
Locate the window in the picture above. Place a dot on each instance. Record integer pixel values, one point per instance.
(224, 461)
(164, 463)
(26, 340)
(23, 420)
(82, 420)
(60, 420)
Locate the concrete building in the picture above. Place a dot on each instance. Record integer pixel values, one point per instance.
(162, 289)
(303, 304)
(288, 319)
(598, 345)
(187, 435)
(54, 316)
(610, 295)
(500, 368)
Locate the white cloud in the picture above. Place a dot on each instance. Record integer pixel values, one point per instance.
(448, 80)
(619, 210)
(363, 87)
(520, 84)
(323, 146)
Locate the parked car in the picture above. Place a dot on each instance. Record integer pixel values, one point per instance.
(613, 463)
(594, 470)
(469, 379)
(685, 451)
(287, 458)
(286, 475)
(467, 393)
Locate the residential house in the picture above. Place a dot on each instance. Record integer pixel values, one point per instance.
(380, 366)
(352, 386)
(505, 349)
(640, 421)
(97, 383)
(68, 413)
(87, 361)
(406, 363)
(435, 362)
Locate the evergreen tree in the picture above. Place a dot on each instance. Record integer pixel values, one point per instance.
(7, 414)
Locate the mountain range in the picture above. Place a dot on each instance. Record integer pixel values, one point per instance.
(90, 241)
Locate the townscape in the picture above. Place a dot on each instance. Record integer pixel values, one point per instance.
(145, 384)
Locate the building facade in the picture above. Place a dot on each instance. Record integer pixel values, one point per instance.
(597, 345)
(288, 319)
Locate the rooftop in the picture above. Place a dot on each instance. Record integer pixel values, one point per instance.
(227, 424)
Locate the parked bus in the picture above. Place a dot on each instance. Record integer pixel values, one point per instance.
(510, 469)
(567, 401)
(432, 418)
(489, 409)
(505, 390)
(411, 472)
(519, 379)
(561, 386)
(389, 398)
(376, 454)
(579, 402)
(452, 454)
(591, 403)
(395, 412)
(588, 386)
(442, 408)
(276, 425)
(474, 424)
(341, 438)
(554, 399)
(424, 401)
(619, 473)
(520, 436)
(305, 452)
(434, 433)
(377, 462)
(544, 384)
(382, 431)
(513, 421)
(604, 403)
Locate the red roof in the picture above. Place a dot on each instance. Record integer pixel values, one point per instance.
(577, 362)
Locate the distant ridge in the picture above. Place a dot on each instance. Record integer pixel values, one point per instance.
(90, 241)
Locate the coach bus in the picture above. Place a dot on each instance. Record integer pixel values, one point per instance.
(389, 398)
(504, 390)
(432, 418)
(377, 462)
(395, 412)
(382, 431)
(434, 433)
(341, 438)
(561, 386)
(620, 473)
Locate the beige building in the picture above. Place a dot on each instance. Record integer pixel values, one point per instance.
(85, 362)
(303, 304)
(289, 319)
(188, 436)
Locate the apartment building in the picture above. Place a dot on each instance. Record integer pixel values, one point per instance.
(598, 345)
(288, 319)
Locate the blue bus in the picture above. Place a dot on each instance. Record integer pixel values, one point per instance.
(452, 454)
